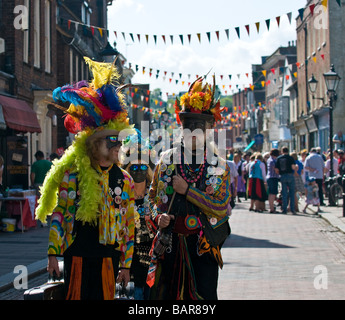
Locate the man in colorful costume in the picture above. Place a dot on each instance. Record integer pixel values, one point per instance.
(197, 194)
(90, 198)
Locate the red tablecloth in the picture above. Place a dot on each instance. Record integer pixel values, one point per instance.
(28, 207)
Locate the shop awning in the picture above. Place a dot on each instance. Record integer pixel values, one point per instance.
(18, 115)
(249, 145)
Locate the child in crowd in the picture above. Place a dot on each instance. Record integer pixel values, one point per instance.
(312, 194)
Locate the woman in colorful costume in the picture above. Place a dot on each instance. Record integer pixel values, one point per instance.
(90, 197)
(137, 152)
(188, 195)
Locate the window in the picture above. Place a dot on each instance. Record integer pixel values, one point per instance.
(37, 63)
(26, 35)
(85, 13)
(47, 40)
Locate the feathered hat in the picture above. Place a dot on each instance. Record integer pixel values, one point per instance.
(94, 106)
(199, 102)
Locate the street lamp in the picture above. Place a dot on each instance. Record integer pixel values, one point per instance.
(332, 80)
(312, 82)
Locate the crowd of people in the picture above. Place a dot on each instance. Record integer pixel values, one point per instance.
(283, 178)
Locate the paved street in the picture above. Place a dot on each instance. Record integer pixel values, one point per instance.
(267, 256)
(273, 256)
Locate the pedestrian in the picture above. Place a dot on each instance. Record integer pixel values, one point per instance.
(241, 186)
(315, 166)
(335, 164)
(299, 185)
(195, 192)
(341, 162)
(233, 180)
(90, 197)
(39, 171)
(257, 188)
(142, 174)
(312, 195)
(339, 140)
(304, 175)
(272, 179)
(285, 167)
(245, 174)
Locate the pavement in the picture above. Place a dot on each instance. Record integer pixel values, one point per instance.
(28, 251)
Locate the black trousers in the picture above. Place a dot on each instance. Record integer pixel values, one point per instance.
(91, 281)
(319, 183)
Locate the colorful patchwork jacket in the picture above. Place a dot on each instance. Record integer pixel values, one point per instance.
(212, 196)
(61, 232)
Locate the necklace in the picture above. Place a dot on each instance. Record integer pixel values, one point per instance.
(193, 172)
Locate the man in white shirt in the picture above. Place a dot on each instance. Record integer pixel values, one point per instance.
(339, 140)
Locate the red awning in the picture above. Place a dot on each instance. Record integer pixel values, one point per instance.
(18, 115)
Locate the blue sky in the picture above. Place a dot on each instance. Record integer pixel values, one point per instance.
(234, 56)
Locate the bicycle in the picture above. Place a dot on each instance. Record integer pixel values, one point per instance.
(334, 189)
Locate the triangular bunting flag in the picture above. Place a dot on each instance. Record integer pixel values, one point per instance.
(278, 21)
(323, 56)
(314, 59)
(227, 33)
(209, 36)
(324, 3)
(264, 73)
(155, 38)
(339, 3)
(199, 37)
(295, 74)
(189, 37)
(217, 34)
(163, 39)
(230, 76)
(268, 24)
(100, 32)
(301, 12)
(247, 28)
(124, 37)
(69, 24)
(138, 37)
(115, 34)
(131, 34)
(93, 31)
(181, 38)
(257, 26)
(238, 31)
(311, 8)
(289, 15)
(172, 39)
(273, 71)
(147, 38)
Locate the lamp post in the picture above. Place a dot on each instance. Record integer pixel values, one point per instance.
(332, 80)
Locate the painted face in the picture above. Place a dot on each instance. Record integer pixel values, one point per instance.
(194, 133)
(138, 172)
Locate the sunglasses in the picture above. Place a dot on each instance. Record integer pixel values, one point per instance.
(137, 167)
(112, 141)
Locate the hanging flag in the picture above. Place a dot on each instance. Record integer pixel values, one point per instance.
(138, 37)
(311, 8)
(93, 31)
(172, 39)
(230, 76)
(264, 73)
(199, 37)
(247, 28)
(155, 38)
(278, 20)
(324, 3)
(289, 15)
(115, 34)
(268, 24)
(301, 12)
(131, 34)
(124, 36)
(273, 71)
(209, 36)
(217, 34)
(339, 3)
(298, 64)
(100, 32)
(181, 38)
(257, 26)
(238, 31)
(247, 74)
(189, 37)
(295, 74)
(69, 24)
(227, 33)
(263, 84)
(323, 56)
(314, 59)
(163, 39)
(147, 38)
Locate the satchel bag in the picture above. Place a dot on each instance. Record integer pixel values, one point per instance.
(217, 234)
